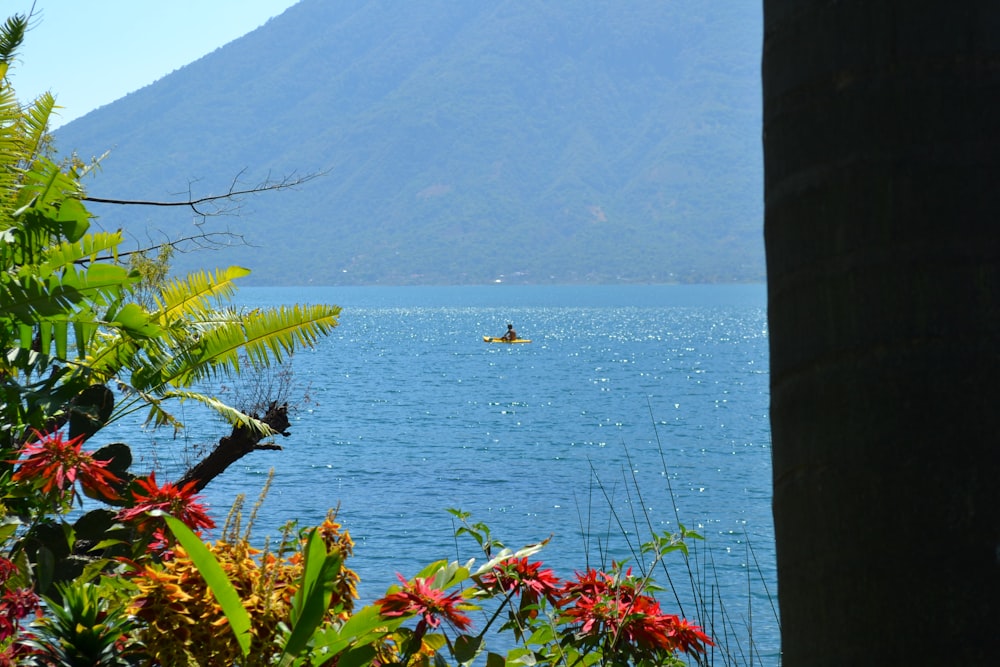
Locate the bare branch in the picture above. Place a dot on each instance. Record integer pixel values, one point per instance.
(206, 240)
(232, 194)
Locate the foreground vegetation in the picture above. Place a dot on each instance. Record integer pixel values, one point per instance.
(104, 565)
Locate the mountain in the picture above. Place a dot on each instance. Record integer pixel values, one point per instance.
(459, 142)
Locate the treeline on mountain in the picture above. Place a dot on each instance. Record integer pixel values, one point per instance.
(459, 143)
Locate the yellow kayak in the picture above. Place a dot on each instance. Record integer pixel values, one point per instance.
(492, 339)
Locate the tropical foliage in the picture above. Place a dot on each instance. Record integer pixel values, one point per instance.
(87, 337)
(102, 566)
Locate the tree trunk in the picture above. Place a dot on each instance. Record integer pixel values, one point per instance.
(882, 228)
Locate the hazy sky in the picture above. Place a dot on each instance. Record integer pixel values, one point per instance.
(89, 53)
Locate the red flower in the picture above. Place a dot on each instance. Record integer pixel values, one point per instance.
(595, 584)
(418, 597)
(55, 464)
(517, 574)
(179, 502)
(689, 637)
(610, 605)
(7, 568)
(16, 604)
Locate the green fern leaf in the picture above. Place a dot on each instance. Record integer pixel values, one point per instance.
(267, 336)
(227, 412)
(194, 294)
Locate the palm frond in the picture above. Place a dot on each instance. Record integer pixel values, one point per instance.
(193, 294)
(233, 416)
(88, 247)
(157, 416)
(12, 36)
(35, 124)
(267, 336)
(12, 155)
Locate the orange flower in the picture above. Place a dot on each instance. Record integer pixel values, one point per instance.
(55, 464)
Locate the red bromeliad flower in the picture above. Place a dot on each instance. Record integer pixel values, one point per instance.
(55, 464)
(517, 574)
(419, 597)
(179, 502)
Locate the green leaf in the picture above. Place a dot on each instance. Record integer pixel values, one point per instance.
(215, 577)
(90, 410)
(94, 524)
(8, 527)
(192, 294)
(543, 635)
(136, 322)
(230, 414)
(357, 657)
(313, 596)
(365, 621)
(74, 218)
(265, 336)
(467, 648)
(45, 563)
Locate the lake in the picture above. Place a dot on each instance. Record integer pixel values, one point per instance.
(632, 409)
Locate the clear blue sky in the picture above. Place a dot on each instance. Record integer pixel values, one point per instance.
(89, 53)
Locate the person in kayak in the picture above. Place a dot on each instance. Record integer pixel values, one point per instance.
(511, 334)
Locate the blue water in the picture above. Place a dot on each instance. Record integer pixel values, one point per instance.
(631, 408)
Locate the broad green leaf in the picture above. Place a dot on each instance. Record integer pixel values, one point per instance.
(467, 648)
(363, 628)
(60, 334)
(312, 599)
(74, 218)
(215, 577)
(365, 621)
(357, 657)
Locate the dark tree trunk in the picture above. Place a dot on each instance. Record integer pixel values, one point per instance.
(882, 226)
(235, 446)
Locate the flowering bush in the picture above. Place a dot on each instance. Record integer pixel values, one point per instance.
(182, 621)
(182, 601)
(595, 618)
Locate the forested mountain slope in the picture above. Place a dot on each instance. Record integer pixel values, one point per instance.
(460, 142)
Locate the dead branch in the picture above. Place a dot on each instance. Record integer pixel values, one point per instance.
(231, 195)
(235, 446)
